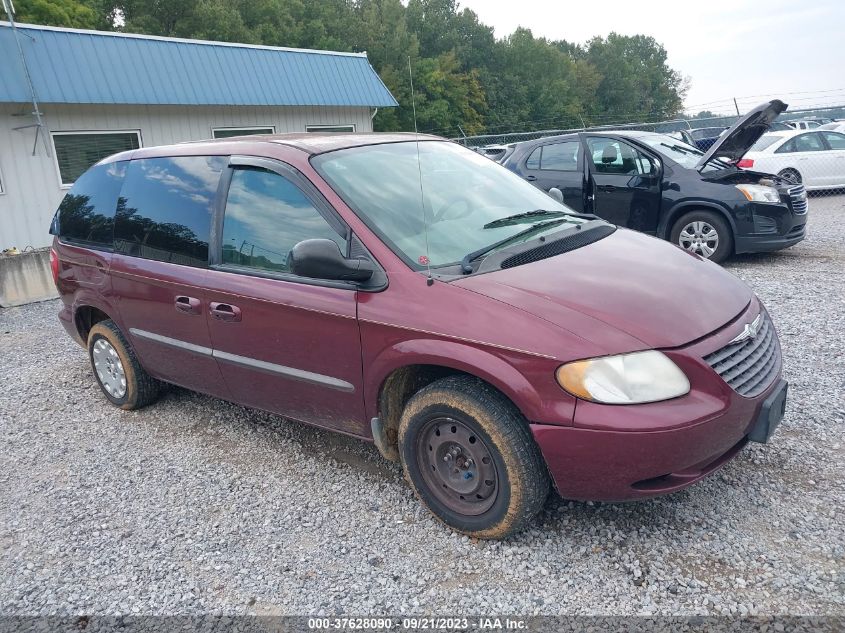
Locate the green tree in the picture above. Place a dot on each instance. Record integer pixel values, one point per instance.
(70, 13)
(636, 81)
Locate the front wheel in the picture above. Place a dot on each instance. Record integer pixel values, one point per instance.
(471, 459)
(704, 233)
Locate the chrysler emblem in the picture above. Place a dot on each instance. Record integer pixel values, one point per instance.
(750, 330)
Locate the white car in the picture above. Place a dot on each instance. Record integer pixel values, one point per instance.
(802, 125)
(815, 158)
(836, 126)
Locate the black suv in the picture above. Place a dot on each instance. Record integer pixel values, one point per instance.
(659, 185)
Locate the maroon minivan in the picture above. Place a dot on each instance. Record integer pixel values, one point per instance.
(410, 292)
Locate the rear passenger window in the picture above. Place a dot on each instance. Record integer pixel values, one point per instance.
(165, 207)
(560, 156)
(533, 161)
(86, 214)
(266, 216)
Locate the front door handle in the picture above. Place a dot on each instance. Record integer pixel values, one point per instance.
(224, 311)
(187, 305)
(531, 178)
(607, 188)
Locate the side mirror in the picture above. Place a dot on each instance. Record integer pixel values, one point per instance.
(557, 194)
(322, 259)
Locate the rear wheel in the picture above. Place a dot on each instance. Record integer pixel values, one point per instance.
(471, 459)
(791, 175)
(704, 233)
(118, 372)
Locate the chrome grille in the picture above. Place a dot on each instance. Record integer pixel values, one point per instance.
(798, 197)
(751, 365)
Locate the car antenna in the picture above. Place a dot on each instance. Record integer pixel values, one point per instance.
(427, 261)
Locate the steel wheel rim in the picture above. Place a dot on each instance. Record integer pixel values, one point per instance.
(699, 237)
(457, 466)
(109, 368)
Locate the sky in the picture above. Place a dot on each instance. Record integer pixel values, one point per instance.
(751, 50)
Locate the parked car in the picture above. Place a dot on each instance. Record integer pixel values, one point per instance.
(484, 335)
(835, 126)
(804, 124)
(683, 135)
(703, 138)
(779, 126)
(496, 152)
(656, 184)
(814, 159)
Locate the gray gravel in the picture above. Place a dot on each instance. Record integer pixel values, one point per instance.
(195, 505)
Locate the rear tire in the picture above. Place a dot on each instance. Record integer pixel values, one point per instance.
(792, 175)
(705, 233)
(117, 370)
(471, 459)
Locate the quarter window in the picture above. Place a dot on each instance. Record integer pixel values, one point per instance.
(229, 132)
(86, 214)
(533, 161)
(164, 211)
(266, 216)
(77, 151)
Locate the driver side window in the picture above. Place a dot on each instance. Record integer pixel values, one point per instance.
(266, 216)
(612, 156)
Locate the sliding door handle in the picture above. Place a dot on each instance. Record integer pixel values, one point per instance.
(224, 311)
(187, 305)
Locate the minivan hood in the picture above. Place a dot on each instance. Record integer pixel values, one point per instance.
(639, 285)
(744, 133)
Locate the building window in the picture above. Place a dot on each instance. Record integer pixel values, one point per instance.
(77, 151)
(330, 128)
(229, 132)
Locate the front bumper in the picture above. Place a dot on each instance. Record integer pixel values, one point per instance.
(618, 453)
(771, 227)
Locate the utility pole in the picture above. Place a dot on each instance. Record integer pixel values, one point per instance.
(9, 7)
(737, 107)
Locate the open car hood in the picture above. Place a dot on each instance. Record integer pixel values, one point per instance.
(734, 143)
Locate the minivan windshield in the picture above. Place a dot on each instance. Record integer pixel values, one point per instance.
(444, 204)
(678, 151)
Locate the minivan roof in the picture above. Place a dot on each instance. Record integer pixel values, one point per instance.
(309, 142)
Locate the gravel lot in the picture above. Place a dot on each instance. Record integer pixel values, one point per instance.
(195, 505)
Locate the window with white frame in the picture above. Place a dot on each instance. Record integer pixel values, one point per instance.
(77, 151)
(229, 132)
(330, 128)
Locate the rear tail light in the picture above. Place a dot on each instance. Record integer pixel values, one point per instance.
(54, 265)
(746, 163)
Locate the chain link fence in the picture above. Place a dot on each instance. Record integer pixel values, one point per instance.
(804, 146)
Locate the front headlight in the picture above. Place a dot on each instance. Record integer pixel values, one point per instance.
(625, 379)
(759, 193)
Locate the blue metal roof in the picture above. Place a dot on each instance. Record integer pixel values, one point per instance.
(76, 66)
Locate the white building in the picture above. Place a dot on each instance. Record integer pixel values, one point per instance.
(100, 92)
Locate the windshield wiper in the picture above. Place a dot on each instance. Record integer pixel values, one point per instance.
(466, 268)
(522, 218)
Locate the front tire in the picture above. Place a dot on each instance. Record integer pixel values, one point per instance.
(704, 233)
(117, 370)
(471, 459)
